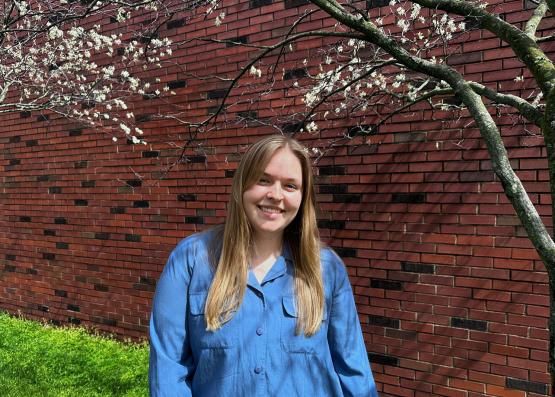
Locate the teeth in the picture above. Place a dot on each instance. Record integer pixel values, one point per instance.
(271, 210)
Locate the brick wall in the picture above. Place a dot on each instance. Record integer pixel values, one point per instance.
(452, 297)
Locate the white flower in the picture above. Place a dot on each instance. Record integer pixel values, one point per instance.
(255, 72)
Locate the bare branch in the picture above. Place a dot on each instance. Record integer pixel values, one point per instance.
(525, 108)
(525, 47)
(534, 21)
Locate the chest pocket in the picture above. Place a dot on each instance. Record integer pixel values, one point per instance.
(300, 343)
(199, 337)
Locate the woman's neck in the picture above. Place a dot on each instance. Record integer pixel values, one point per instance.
(265, 247)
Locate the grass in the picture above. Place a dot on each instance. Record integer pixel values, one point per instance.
(43, 361)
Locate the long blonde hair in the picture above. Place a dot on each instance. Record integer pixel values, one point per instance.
(231, 268)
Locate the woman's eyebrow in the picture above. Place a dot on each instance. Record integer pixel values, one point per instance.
(265, 174)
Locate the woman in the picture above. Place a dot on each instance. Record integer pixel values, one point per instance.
(257, 307)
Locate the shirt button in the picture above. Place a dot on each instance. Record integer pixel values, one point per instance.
(259, 331)
(257, 370)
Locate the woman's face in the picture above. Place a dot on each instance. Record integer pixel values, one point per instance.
(274, 200)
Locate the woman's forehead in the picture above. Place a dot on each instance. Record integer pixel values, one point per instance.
(284, 164)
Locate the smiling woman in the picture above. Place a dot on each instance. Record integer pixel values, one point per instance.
(258, 306)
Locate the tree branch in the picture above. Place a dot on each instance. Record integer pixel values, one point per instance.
(534, 21)
(525, 47)
(525, 108)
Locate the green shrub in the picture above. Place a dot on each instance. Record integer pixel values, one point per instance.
(43, 361)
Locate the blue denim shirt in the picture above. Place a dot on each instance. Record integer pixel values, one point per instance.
(257, 352)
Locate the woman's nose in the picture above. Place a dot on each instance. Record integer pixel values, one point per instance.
(275, 192)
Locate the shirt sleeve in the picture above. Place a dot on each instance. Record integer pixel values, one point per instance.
(348, 351)
(171, 362)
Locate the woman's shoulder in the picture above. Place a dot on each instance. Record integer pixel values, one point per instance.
(333, 268)
(194, 248)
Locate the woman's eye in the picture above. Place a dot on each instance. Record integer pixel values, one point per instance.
(263, 181)
(291, 187)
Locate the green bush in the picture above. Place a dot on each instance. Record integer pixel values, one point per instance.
(44, 361)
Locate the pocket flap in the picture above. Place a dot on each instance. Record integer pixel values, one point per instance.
(290, 307)
(197, 303)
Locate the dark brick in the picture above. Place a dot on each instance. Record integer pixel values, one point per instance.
(198, 220)
(143, 118)
(43, 117)
(117, 210)
(93, 268)
(291, 128)
(327, 224)
(56, 323)
(347, 198)
(54, 190)
(176, 23)
(332, 170)
(24, 219)
(81, 202)
(259, 3)
(362, 130)
(101, 287)
(61, 245)
(31, 142)
(195, 159)
(526, 385)
(32, 271)
(150, 154)
(61, 293)
(10, 257)
(75, 132)
(295, 3)
(386, 284)
(333, 189)
(173, 85)
(60, 221)
(383, 321)
(346, 252)
(216, 94)
(298, 73)
(237, 41)
(133, 238)
(141, 204)
(417, 268)
(88, 183)
(9, 268)
(376, 3)
(81, 164)
(453, 100)
(48, 256)
(248, 115)
(15, 162)
(186, 197)
(477, 325)
(401, 334)
(73, 320)
(410, 198)
(25, 114)
(49, 232)
(42, 308)
(147, 281)
(80, 279)
(134, 182)
(102, 236)
(104, 320)
(73, 308)
(143, 287)
(383, 359)
(14, 139)
(43, 178)
(229, 173)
